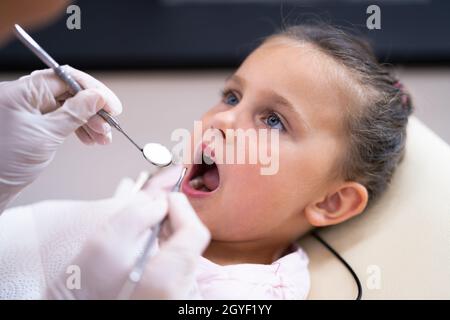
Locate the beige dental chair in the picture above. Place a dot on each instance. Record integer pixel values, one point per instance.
(400, 248)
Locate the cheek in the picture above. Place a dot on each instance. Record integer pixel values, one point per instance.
(250, 206)
(253, 205)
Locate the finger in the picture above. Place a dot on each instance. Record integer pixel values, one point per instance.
(43, 87)
(178, 256)
(75, 112)
(140, 214)
(168, 275)
(101, 129)
(98, 125)
(189, 233)
(113, 104)
(97, 137)
(40, 90)
(165, 232)
(84, 136)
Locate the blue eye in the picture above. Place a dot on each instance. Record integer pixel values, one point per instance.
(274, 121)
(230, 98)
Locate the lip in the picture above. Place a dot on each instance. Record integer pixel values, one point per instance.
(186, 187)
(203, 148)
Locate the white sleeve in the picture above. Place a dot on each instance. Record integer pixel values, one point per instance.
(38, 241)
(21, 270)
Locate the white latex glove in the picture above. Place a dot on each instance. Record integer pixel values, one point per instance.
(37, 113)
(108, 257)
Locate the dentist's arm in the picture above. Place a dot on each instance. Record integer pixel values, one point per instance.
(108, 257)
(37, 113)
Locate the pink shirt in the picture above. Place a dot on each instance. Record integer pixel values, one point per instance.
(286, 278)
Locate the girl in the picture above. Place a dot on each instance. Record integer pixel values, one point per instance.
(341, 118)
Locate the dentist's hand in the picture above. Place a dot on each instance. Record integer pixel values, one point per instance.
(109, 256)
(37, 113)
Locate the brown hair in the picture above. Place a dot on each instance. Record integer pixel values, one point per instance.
(377, 133)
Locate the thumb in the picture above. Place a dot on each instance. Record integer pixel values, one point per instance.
(75, 111)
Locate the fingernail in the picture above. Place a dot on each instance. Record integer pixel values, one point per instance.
(108, 137)
(106, 128)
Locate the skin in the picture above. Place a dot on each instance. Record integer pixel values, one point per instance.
(254, 218)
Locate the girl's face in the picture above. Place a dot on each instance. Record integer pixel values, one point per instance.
(291, 89)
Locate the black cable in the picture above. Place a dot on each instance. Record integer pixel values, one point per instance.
(337, 255)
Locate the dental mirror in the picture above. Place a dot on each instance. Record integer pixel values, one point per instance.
(157, 154)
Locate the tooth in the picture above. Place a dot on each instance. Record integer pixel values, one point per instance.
(196, 183)
(207, 159)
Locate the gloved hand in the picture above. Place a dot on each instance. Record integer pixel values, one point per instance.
(109, 256)
(37, 113)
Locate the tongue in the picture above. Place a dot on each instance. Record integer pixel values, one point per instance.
(211, 178)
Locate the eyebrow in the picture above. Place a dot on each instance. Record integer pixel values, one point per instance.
(280, 100)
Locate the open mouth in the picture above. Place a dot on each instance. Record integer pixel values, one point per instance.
(203, 179)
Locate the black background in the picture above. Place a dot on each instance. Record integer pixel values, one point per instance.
(139, 34)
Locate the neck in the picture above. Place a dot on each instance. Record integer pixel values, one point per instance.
(259, 252)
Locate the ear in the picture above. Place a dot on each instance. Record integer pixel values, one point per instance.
(343, 203)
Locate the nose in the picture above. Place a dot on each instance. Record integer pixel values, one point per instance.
(224, 120)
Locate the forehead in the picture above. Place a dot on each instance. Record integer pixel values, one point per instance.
(302, 74)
